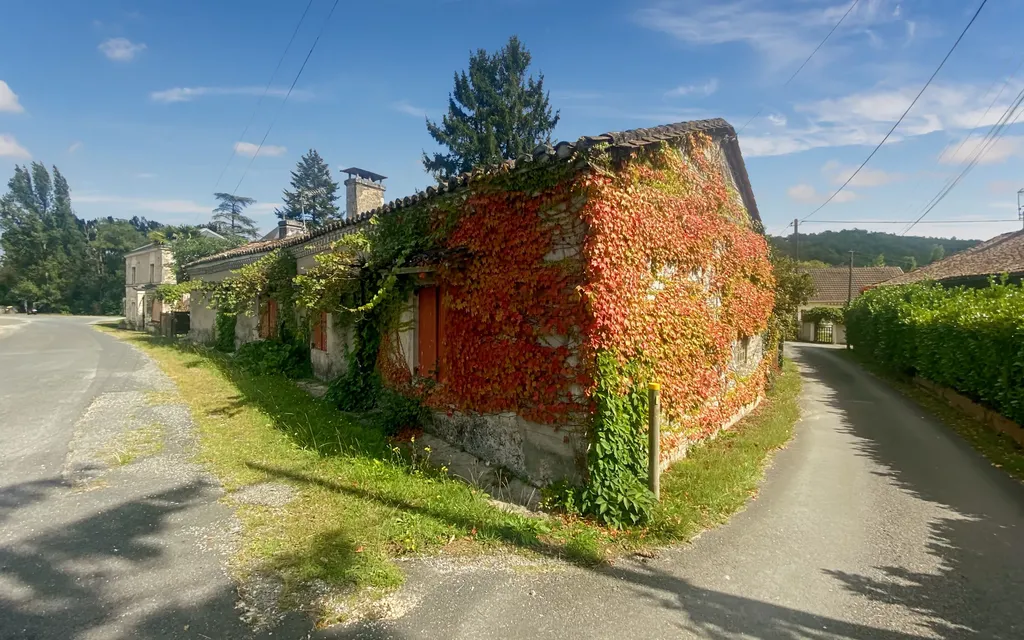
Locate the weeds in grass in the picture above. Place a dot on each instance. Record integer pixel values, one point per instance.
(138, 443)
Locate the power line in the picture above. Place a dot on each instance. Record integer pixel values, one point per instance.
(907, 221)
(285, 100)
(916, 98)
(804, 64)
(265, 91)
(995, 132)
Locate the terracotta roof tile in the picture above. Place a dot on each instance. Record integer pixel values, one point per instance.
(616, 140)
(1002, 254)
(832, 285)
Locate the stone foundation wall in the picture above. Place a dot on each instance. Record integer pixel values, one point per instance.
(202, 320)
(537, 453)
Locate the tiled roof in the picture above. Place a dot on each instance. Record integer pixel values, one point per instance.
(1002, 254)
(832, 285)
(621, 141)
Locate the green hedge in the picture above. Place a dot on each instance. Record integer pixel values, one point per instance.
(971, 340)
(835, 315)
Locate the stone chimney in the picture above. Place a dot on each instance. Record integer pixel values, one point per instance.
(288, 228)
(364, 191)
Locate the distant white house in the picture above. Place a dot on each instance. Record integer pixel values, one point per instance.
(145, 269)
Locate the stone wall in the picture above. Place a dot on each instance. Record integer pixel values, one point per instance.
(247, 326)
(202, 320)
(537, 453)
(330, 364)
(362, 195)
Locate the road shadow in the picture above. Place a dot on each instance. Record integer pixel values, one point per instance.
(61, 583)
(979, 542)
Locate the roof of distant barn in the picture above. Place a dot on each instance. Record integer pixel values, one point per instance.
(627, 141)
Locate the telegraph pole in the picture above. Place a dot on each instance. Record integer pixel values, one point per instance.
(849, 290)
(1020, 209)
(796, 237)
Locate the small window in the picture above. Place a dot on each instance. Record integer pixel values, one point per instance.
(320, 332)
(152, 272)
(133, 275)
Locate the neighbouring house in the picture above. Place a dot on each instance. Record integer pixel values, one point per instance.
(1002, 255)
(523, 302)
(833, 289)
(145, 269)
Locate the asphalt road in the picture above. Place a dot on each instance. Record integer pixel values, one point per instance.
(876, 522)
(91, 548)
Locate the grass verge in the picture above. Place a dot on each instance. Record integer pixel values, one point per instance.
(999, 448)
(359, 503)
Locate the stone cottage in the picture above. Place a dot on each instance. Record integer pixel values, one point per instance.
(145, 269)
(524, 299)
(833, 288)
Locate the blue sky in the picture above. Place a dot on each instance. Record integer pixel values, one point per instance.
(141, 104)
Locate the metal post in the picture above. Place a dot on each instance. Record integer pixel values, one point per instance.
(654, 440)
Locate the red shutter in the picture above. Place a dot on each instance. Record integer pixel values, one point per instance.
(427, 331)
(272, 314)
(320, 332)
(442, 336)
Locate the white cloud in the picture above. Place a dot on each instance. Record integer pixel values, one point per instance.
(9, 100)
(9, 147)
(806, 194)
(121, 49)
(249, 149)
(75, 146)
(188, 94)
(838, 173)
(149, 205)
(777, 119)
(704, 90)
(262, 207)
(864, 117)
(145, 176)
(1001, 150)
(408, 109)
(1002, 187)
(780, 36)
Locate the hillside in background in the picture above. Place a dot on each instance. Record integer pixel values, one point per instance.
(870, 247)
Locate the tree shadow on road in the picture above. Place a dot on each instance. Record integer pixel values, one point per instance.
(978, 543)
(61, 582)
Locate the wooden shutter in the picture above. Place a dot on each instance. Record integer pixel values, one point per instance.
(320, 332)
(272, 316)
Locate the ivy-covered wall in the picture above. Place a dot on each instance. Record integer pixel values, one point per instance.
(677, 274)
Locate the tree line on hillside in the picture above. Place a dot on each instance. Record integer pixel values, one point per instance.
(871, 248)
(55, 261)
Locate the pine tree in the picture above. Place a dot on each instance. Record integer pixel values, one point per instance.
(494, 113)
(229, 218)
(314, 194)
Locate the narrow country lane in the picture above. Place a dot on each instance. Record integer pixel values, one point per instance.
(876, 522)
(108, 530)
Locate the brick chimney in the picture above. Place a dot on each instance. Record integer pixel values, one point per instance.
(364, 191)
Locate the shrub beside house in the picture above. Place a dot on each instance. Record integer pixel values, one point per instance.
(527, 305)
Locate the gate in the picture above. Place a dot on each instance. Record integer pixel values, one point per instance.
(824, 333)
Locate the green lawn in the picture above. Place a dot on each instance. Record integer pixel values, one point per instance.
(1002, 450)
(360, 504)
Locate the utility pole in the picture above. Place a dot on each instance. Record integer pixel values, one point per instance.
(1020, 209)
(849, 290)
(796, 238)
